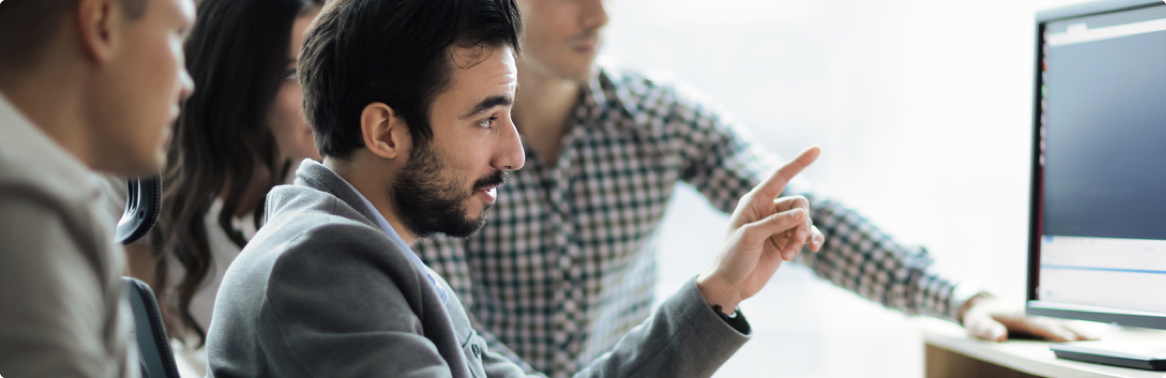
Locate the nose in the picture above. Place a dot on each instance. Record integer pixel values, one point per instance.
(510, 156)
(185, 83)
(595, 14)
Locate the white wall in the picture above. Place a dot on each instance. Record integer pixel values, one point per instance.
(923, 112)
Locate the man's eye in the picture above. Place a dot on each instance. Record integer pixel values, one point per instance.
(291, 74)
(486, 123)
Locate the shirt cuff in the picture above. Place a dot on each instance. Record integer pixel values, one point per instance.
(960, 295)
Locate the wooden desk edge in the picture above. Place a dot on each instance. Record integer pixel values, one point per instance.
(1030, 357)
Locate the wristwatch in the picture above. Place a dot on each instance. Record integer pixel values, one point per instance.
(720, 312)
(734, 320)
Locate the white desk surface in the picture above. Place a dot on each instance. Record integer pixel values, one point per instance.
(1034, 357)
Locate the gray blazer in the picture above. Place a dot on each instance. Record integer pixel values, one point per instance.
(322, 291)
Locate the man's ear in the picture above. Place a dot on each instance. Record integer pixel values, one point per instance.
(385, 132)
(99, 24)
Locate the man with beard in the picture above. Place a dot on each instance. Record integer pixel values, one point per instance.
(410, 101)
(608, 146)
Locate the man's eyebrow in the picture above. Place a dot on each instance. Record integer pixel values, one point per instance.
(488, 103)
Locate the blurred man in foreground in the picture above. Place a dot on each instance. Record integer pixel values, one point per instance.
(85, 86)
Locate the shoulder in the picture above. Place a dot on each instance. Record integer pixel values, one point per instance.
(37, 232)
(646, 86)
(54, 247)
(31, 164)
(19, 181)
(48, 214)
(658, 97)
(318, 246)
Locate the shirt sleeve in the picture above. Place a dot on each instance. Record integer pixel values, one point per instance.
(723, 163)
(683, 338)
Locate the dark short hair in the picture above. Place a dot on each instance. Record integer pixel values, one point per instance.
(395, 52)
(26, 25)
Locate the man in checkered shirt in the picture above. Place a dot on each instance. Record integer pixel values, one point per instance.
(565, 264)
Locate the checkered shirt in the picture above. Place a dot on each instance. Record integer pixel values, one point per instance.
(565, 264)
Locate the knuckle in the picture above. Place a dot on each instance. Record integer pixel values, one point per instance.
(796, 213)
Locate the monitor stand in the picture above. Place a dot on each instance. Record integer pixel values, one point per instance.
(1145, 355)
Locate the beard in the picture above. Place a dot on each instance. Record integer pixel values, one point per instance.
(430, 203)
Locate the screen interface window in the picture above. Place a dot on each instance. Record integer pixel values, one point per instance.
(1102, 161)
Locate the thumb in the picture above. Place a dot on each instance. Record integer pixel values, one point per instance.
(988, 329)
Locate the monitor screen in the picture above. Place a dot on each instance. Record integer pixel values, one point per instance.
(1099, 221)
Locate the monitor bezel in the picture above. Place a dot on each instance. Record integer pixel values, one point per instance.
(1033, 305)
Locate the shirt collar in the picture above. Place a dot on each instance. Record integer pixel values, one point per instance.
(25, 143)
(380, 218)
(396, 238)
(607, 88)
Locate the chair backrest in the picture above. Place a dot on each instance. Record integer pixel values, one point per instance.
(143, 205)
(156, 357)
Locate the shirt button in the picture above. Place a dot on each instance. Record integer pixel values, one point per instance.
(477, 351)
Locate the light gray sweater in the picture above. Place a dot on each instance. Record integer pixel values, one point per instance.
(63, 311)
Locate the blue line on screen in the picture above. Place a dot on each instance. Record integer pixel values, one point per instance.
(1146, 271)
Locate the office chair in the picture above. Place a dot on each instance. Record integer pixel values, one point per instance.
(156, 358)
(143, 203)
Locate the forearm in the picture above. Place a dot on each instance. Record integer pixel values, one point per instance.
(860, 257)
(683, 338)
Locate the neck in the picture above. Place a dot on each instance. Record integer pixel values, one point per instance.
(50, 97)
(542, 110)
(254, 191)
(373, 189)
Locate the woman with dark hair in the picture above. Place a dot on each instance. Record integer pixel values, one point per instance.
(240, 134)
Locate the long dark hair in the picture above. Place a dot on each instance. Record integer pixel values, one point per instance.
(237, 56)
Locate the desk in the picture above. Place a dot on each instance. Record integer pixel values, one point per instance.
(949, 352)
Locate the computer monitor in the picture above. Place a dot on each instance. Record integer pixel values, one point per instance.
(1097, 238)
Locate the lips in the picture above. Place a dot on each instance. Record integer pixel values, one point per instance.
(488, 186)
(586, 47)
(491, 193)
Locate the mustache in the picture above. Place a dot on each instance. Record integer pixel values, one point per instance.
(497, 178)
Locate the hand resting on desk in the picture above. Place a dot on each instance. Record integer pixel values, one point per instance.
(989, 318)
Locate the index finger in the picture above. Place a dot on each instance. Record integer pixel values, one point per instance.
(772, 187)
